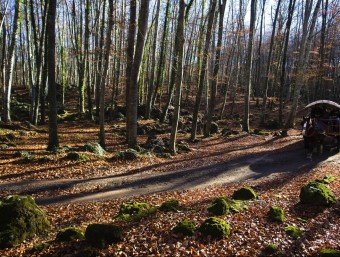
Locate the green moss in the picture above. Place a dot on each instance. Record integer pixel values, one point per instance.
(215, 227)
(69, 234)
(223, 205)
(316, 193)
(245, 193)
(327, 252)
(20, 219)
(95, 148)
(171, 205)
(219, 207)
(75, 156)
(134, 211)
(326, 180)
(270, 249)
(261, 132)
(38, 248)
(129, 154)
(185, 227)
(276, 214)
(100, 235)
(3, 146)
(293, 231)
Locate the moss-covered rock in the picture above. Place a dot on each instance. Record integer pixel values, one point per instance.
(276, 214)
(245, 193)
(76, 156)
(219, 207)
(20, 219)
(293, 231)
(69, 234)
(213, 128)
(100, 235)
(185, 227)
(215, 227)
(270, 249)
(129, 154)
(27, 156)
(316, 193)
(171, 205)
(134, 211)
(37, 248)
(326, 180)
(223, 205)
(95, 148)
(327, 252)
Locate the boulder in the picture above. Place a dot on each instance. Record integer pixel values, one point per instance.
(100, 235)
(20, 219)
(316, 193)
(215, 227)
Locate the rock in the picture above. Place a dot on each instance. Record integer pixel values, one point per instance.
(327, 252)
(223, 205)
(276, 214)
(134, 211)
(20, 219)
(316, 193)
(215, 227)
(293, 231)
(69, 234)
(270, 249)
(213, 128)
(95, 148)
(100, 235)
(219, 206)
(129, 154)
(245, 193)
(185, 227)
(170, 206)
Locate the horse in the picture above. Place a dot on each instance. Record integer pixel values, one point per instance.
(313, 135)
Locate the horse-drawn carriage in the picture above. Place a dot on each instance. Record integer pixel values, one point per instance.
(321, 127)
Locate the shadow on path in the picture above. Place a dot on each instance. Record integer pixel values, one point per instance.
(290, 159)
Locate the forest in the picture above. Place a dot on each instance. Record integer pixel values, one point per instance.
(143, 118)
(194, 55)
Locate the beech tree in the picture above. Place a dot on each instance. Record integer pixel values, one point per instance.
(132, 76)
(53, 141)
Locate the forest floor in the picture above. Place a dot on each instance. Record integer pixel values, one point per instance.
(78, 193)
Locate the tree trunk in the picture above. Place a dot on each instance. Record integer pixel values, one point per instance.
(10, 64)
(178, 54)
(216, 69)
(53, 142)
(132, 103)
(203, 68)
(305, 45)
(266, 83)
(284, 57)
(153, 64)
(104, 75)
(248, 68)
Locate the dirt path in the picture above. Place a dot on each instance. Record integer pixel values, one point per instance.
(249, 167)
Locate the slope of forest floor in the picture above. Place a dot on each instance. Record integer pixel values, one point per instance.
(78, 193)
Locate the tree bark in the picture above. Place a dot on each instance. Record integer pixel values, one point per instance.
(10, 64)
(132, 103)
(53, 141)
(104, 75)
(213, 90)
(248, 68)
(203, 68)
(178, 54)
(305, 45)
